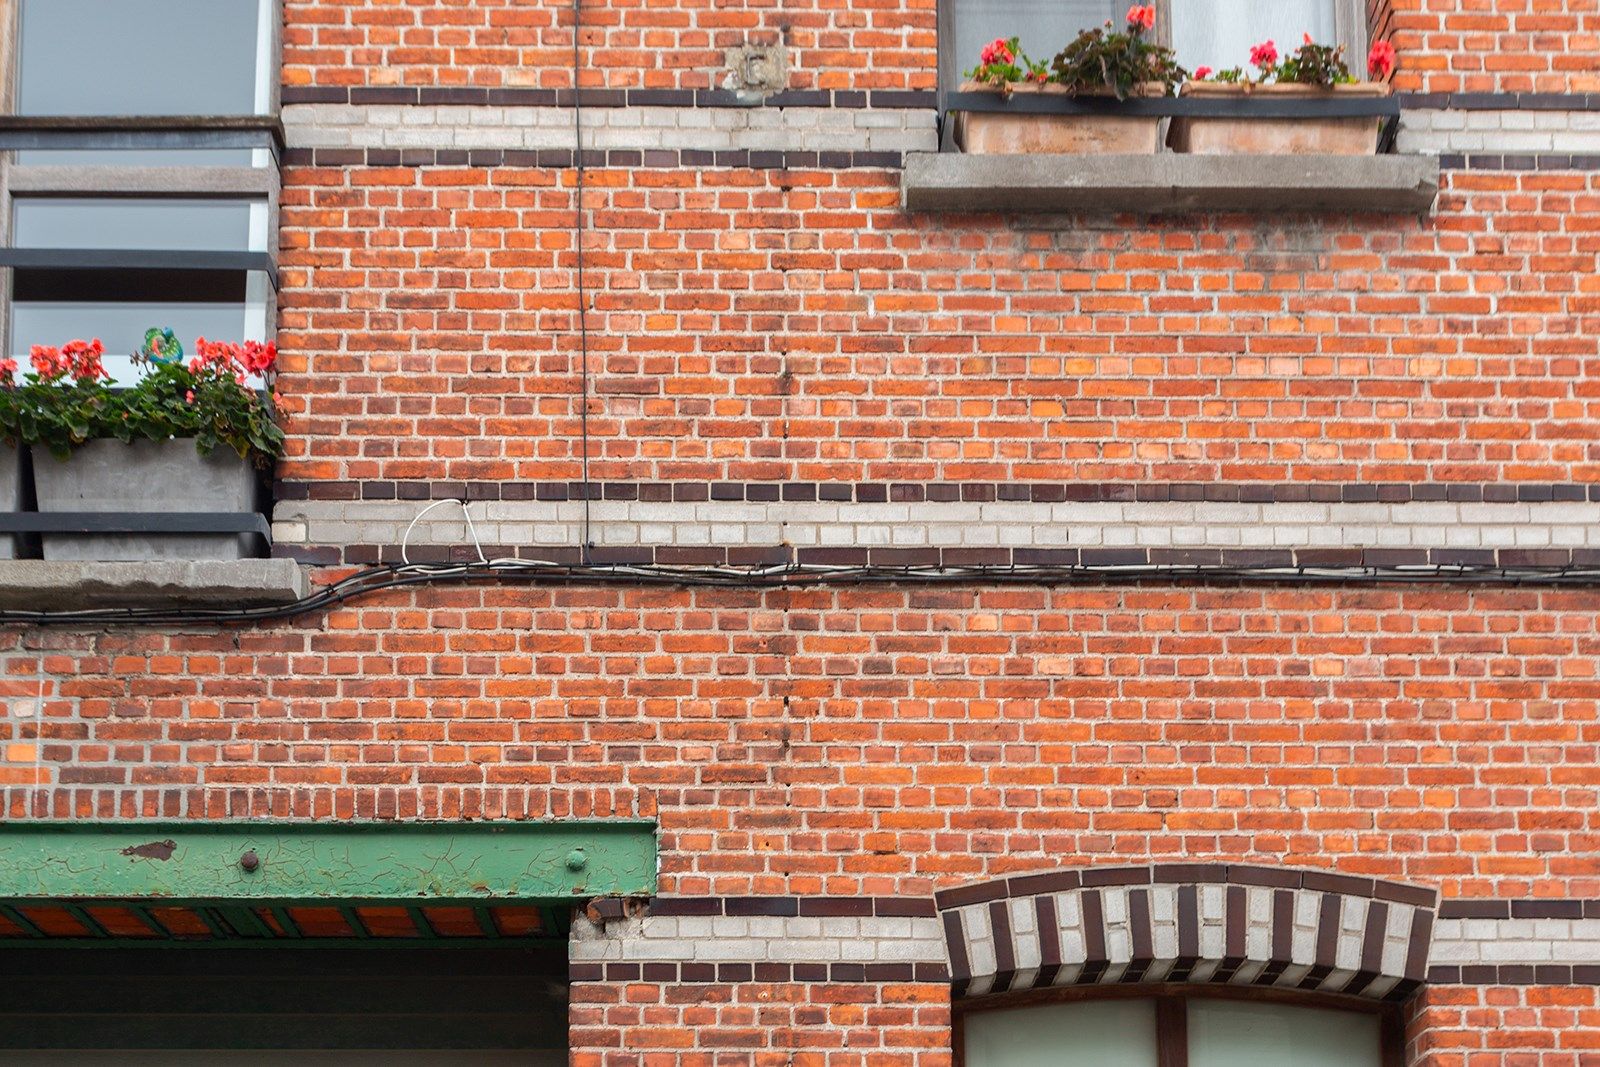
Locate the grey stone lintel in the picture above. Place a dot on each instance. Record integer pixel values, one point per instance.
(48, 585)
(1168, 183)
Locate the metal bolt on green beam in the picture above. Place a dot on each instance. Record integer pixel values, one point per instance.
(400, 862)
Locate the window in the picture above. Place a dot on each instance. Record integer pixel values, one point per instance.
(145, 57)
(166, 222)
(1173, 1031)
(1220, 33)
(50, 306)
(1214, 33)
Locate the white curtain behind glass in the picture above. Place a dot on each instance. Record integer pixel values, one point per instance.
(1220, 33)
(1225, 1033)
(1045, 26)
(1092, 1033)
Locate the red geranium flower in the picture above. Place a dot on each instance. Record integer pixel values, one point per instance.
(996, 51)
(1202, 73)
(1380, 61)
(1142, 17)
(1264, 55)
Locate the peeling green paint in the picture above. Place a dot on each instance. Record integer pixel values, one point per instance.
(370, 862)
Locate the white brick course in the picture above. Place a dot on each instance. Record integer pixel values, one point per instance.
(789, 129)
(1212, 525)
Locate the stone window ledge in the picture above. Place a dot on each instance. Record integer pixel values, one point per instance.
(36, 585)
(1169, 183)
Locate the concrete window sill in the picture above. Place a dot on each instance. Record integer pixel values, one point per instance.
(1169, 183)
(38, 585)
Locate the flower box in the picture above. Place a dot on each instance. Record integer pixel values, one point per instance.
(1002, 133)
(145, 476)
(1306, 135)
(10, 493)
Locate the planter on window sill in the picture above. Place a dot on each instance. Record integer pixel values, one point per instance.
(1305, 135)
(145, 476)
(1002, 133)
(10, 493)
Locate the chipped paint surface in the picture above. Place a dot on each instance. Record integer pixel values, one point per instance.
(309, 861)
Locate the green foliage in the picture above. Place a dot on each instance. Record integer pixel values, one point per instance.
(208, 399)
(1314, 64)
(1106, 60)
(1003, 62)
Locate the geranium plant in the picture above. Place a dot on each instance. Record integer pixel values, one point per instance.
(67, 399)
(1106, 60)
(1002, 63)
(1310, 64)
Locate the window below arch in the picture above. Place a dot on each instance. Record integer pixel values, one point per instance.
(1201, 1028)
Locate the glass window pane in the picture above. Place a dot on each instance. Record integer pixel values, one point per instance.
(140, 57)
(1220, 33)
(1239, 1033)
(184, 225)
(1090, 1033)
(121, 325)
(1045, 26)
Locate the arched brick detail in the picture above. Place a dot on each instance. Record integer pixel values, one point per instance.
(1235, 924)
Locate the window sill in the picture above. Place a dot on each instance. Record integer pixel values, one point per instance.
(26, 584)
(1168, 183)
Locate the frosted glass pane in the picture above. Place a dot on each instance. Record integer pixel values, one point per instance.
(121, 326)
(182, 225)
(1090, 1033)
(1229, 1033)
(1045, 26)
(139, 57)
(1220, 33)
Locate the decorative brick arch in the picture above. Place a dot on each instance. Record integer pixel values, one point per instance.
(1203, 923)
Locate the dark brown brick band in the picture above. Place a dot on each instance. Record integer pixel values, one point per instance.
(432, 95)
(1516, 974)
(562, 158)
(740, 973)
(951, 492)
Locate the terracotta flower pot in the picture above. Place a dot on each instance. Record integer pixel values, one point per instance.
(1001, 133)
(1310, 135)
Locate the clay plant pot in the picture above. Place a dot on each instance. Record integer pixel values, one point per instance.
(1002, 133)
(1307, 135)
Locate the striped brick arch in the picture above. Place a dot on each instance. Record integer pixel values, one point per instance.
(1203, 923)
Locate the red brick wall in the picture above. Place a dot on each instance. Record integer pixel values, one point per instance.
(879, 741)
(1505, 1026)
(760, 1023)
(784, 324)
(1497, 46)
(528, 43)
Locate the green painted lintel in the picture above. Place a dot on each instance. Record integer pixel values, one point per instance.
(403, 863)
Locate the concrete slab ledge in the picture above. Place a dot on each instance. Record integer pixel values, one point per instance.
(1168, 183)
(48, 585)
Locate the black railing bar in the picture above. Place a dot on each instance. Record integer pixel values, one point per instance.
(136, 522)
(137, 259)
(116, 140)
(1171, 106)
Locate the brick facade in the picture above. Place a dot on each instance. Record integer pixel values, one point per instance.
(1350, 416)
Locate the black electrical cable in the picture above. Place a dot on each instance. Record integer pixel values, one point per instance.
(578, 230)
(378, 579)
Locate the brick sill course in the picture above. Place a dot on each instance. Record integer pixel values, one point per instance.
(1168, 183)
(33, 585)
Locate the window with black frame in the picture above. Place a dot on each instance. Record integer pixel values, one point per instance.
(163, 218)
(1243, 1030)
(1214, 33)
